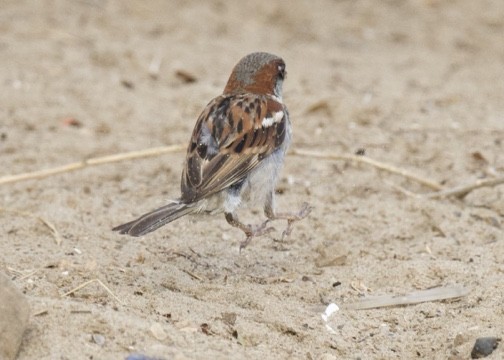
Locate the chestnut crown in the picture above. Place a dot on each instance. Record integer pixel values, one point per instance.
(257, 73)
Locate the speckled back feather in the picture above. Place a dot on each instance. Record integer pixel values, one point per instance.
(229, 140)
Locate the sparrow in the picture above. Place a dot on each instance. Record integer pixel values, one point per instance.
(235, 154)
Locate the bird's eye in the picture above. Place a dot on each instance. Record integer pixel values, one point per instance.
(281, 72)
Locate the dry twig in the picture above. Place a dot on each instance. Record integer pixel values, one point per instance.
(458, 191)
(368, 161)
(461, 191)
(91, 162)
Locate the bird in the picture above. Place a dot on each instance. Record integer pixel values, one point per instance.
(235, 153)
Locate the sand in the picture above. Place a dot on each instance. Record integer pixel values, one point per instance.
(416, 84)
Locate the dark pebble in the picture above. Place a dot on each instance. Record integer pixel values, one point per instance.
(484, 347)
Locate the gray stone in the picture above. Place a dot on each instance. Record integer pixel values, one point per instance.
(14, 316)
(484, 346)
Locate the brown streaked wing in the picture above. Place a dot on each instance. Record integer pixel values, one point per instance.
(229, 140)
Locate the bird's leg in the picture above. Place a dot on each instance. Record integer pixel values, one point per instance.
(249, 230)
(291, 217)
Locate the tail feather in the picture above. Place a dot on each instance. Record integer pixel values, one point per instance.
(155, 219)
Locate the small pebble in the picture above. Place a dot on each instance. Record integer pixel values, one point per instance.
(484, 346)
(98, 339)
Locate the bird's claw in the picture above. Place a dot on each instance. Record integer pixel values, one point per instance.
(256, 230)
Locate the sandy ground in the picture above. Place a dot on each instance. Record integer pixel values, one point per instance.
(417, 84)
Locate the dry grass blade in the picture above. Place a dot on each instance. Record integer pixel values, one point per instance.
(435, 294)
(41, 312)
(30, 274)
(16, 272)
(368, 161)
(193, 275)
(91, 162)
(81, 286)
(54, 231)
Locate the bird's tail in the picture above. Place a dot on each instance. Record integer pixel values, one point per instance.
(155, 219)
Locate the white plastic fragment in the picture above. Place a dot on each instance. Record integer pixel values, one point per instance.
(329, 311)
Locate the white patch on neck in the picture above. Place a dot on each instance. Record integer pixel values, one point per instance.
(268, 121)
(277, 98)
